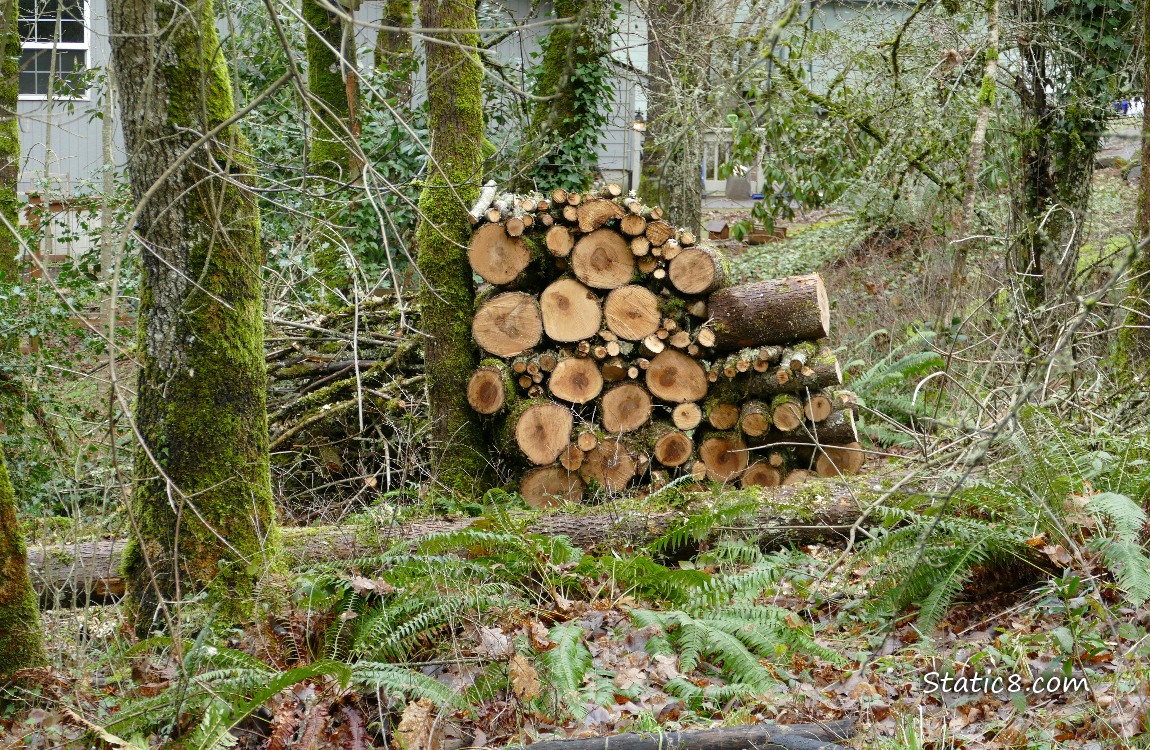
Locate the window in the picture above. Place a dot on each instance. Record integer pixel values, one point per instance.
(55, 37)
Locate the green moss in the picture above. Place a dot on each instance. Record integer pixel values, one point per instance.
(327, 149)
(9, 138)
(986, 91)
(21, 644)
(204, 422)
(455, 104)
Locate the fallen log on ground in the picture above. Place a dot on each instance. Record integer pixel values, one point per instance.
(74, 574)
(752, 737)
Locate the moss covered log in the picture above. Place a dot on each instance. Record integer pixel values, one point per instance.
(202, 503)
(21, 643)
(9, 139)
(455, 104)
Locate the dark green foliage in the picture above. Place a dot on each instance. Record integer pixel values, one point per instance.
(887, 389)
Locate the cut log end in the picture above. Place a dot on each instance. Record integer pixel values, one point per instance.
(625, 408)
(696, 270)
(487, 390)
(570, 311)
(543, 431)
(723, 416)
(632, 312)
(845, 460)
(675, 377)
(687, 416)
(603, 260)
(497, 256)
(551, 486)
(610, 464)
(576, 379)
(508, 324)
(761, 474)
(725, 457)
(673, 448)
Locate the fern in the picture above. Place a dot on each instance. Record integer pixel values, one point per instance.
(882, 388)
(406, 682)
(567, 665)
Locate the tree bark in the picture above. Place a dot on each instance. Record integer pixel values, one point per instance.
(9, 140)
(1134, 339)
(21, 641)
(202, 503)
(393, 50)
(455, 104)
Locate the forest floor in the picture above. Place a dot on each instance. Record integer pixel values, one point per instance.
(542, 640)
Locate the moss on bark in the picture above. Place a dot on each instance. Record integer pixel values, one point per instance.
(455, 104)
(393, 50)
(202, 503)
(9, 139)
(21, 643)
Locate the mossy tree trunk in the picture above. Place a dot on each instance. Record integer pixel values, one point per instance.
(672, 159)
(576, 91)
(202, 504)
(1134, 339)
(455, 104)
(9, 139)
(21, 642)
(330, 46)
(393, 50)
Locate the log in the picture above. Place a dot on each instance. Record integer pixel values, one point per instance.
(724, 455)
(697, 270)
(818, 407)
(755, 419)
(786, 412)
(796, 357)
(838, 429)
(595, 213)
(558, 196)
(687, 416)
(761, 474)
(796, 476)
(490, 387)
(551, 486)
(667, 445)
(632, 312)
(625, 408)
(770, 312)
(572, 457)
(587, 440)
(752, 737)
(846, 460)
(570, 311)
(576, 379)
(658, 232)
(559, 241)
(614, 370)
(720, 413)
(603, 260)
(633, 225)
(611, 464)
(822, 373)
(496, 256)
(675, 377)
(73, 574)
(486, 198)
(539, 430)
(508, 324)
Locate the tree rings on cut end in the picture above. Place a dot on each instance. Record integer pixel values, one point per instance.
(725, 457)
(632, 312)
(673, 448)
(497, 257)
(674, 376)
(603, 260)
(576, 379)
(508, 324)
(487, 390)
(626, 407)
(610, 464)
(687, 416)
(570, 311)
(696, 270)
(543, 432)
(761, 474)
(551, 486)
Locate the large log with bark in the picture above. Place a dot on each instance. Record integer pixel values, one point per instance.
(73, 574)
(779, 311)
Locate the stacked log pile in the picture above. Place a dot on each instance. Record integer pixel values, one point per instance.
(616, 354)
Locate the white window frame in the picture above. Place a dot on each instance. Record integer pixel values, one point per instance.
(86, 46)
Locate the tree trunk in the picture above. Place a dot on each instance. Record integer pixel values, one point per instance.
(393, 51)
(21, 643)
(330, 46)
(202, 503)
(455, 103)
(1134, 339)
(975, 157)
(672, 159)
(9, 140)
